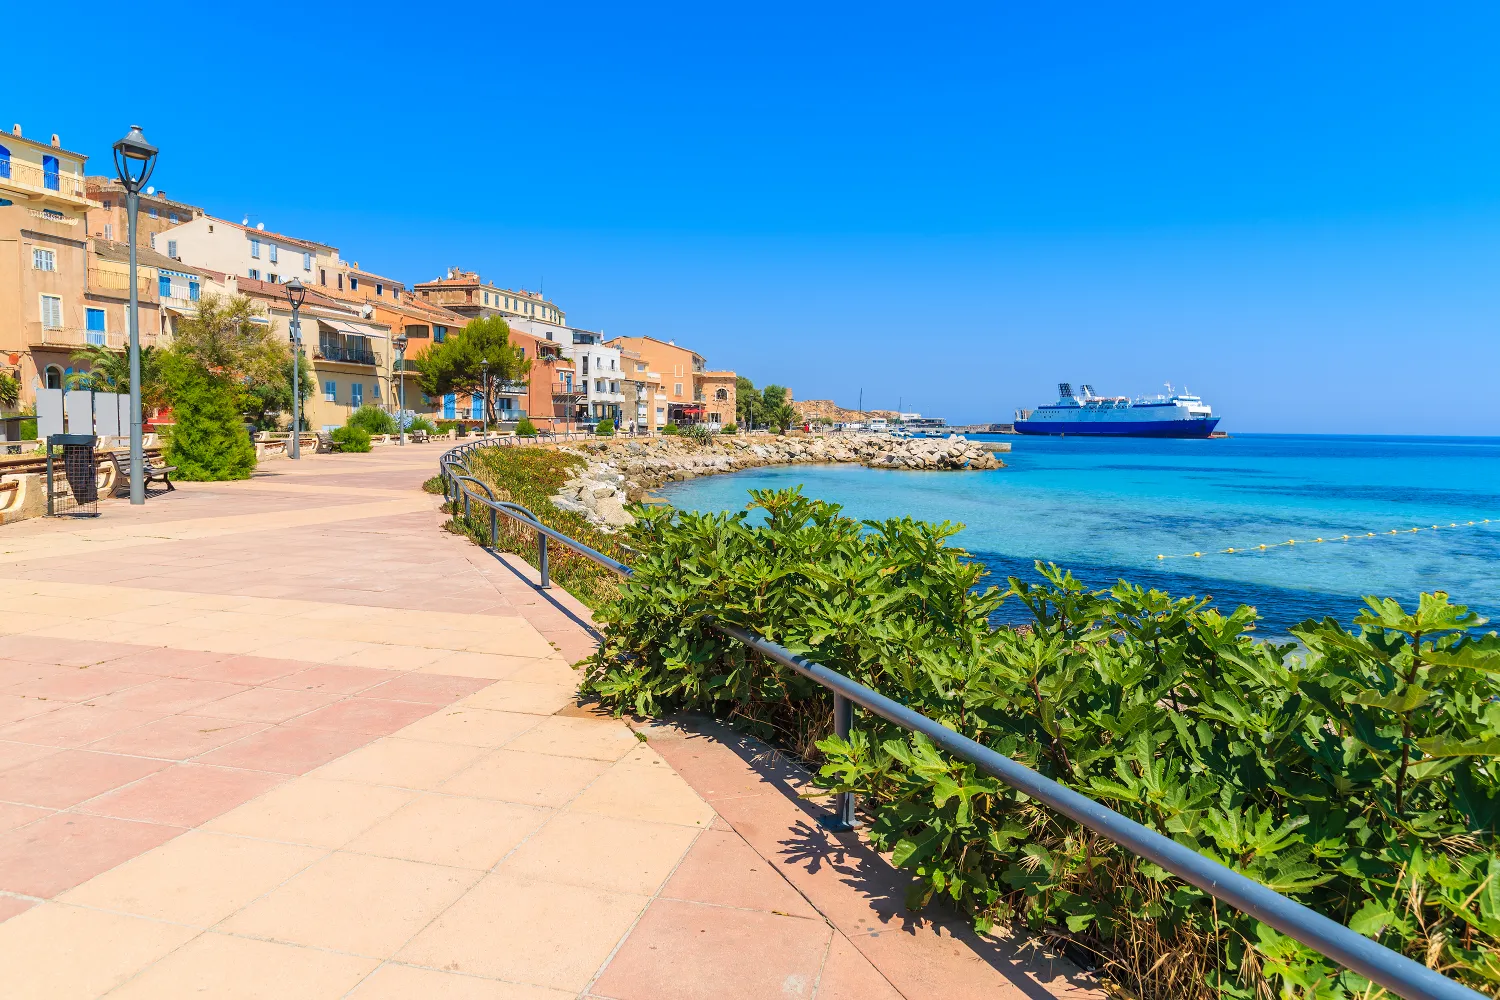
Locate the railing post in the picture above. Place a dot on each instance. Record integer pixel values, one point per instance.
(494, 529)
(466, 501)
(541, 560)
(842, 819)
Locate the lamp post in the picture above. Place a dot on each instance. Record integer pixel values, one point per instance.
(295, 294)
(484, 391)
(135, 158)
(400, 345)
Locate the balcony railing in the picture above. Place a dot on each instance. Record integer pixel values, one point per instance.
(347, 354)
(117, 282)
(511, 389)
(20, 174)
(568, 389)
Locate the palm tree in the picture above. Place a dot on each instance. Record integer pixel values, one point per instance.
(109, 371)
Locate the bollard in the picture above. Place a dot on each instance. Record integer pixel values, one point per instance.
(843, 817)
(541, 561)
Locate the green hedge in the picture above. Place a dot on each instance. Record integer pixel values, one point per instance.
(1356, 774)
(373, 420)
(350, 439)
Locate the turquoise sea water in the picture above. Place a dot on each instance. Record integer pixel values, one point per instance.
(1106, 508)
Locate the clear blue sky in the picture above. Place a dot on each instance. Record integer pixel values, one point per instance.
(1292, 208)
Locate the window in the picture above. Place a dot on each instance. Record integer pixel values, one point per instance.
(96, 321)
(614, 387)
(274, 258)
(611, 364)
(330, 391)
(721, 394)
(172, 218)
(322, 276)
(486, 298)
(50, 179)
(106, 204)
(52, 312)
(640, 366)
(109, 231)
(677, 388)
(379, 289)
(353, 283)
(439, 333)
(476, 406)
(357, 394)
(450, 406)
(341, 282)
(585, 364)
(153, 241)
(5, 164)
(164, 286)
(375, 391)
(171, 248)
(151, 211)
(307, 262)
(255, 248)
(193, 290)
(255, 274)
(43, 260)
(210, 228)
(271, 278)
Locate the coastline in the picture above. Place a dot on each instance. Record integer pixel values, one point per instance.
(626, 470)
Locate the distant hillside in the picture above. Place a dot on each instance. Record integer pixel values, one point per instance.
(827, 409)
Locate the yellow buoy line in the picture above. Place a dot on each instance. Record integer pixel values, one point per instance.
(1252, 549)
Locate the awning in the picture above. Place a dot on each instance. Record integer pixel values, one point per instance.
(353, 329)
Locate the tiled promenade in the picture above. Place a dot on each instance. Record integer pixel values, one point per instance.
(288, 739)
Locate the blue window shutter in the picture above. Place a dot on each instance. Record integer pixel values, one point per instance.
(165, 286)
(171, 248)
(96, 320)
(49, 173)
(5, 163)
(450, 406)
(476, 406)
(193, 290)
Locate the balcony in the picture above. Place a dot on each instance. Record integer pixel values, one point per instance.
(568, 390)
(347, 354)
(30, 180)
(116, 283)
(511, 389)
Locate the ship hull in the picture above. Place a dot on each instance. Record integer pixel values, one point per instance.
(1195, 428)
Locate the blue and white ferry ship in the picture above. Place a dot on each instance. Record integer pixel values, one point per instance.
(1175, 415)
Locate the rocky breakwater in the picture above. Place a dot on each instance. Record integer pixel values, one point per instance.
(620, 471)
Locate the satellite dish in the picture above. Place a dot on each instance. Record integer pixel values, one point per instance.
(367, 311)
(151, 190)
(260, 226)
(245, 221)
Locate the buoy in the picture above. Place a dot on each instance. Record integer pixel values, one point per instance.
(1262, 546)
(1197, 554)
(1229, 550)
(1317, 539)
(1291, 541)
(1161, 557)
(1346, 538)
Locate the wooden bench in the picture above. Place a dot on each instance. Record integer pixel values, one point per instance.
(419, 437)
(151, 473)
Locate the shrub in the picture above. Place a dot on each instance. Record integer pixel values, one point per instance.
(351, 439)
(421, 424)
(605, 428)
(729, 429)
(373, 420)
(208, 442)
(1357, 776)
(701, 433)
(444, 426)
(525, 428)
(10, 391)
(669, 429)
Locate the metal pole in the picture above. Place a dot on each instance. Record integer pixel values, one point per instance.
(401, 394)
(296, 383)
(842, 818)
(494, 529)
(137, 439)
(541, 547)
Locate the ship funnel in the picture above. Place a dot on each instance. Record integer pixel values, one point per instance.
(1088, 391)
(1065, 390)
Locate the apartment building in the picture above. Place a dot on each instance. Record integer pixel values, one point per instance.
(164, 288)
(467, 293)
(44, 259)
(645, 398)
(244, 251)
(694, 394)
(555, 397)
(107, 217)
(597, 366)
(348, 350)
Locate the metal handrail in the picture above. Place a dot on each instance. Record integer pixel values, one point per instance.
(1330, 938)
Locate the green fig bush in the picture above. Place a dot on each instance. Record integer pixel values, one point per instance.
(1353, 770)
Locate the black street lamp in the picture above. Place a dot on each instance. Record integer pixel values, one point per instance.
(399, 343)
(135, 158)
(295, 294)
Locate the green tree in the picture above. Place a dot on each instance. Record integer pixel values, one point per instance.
(458, 364)
(747, 401)
(208, 441)
(10, 390)
(229, 338)
(771, 397)
(264, 402)
(526, 428)
(109, 371)
(605, 427)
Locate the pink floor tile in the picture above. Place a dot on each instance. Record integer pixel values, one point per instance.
(286, 750)
(848, 975)
(16, 754)
(248, 669)
(165, 662)
(12, 816)
(77, 683)
(170, 695)
(65, 652)
(178, 737)
(14, 708)
(264, 704)
(427, 689)
(10, 906)
(691, 951)
(721, 868)
(75, 725)
(67, 849)
(365, 715)
(68, 777)
(185, 795)
(333, 679)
